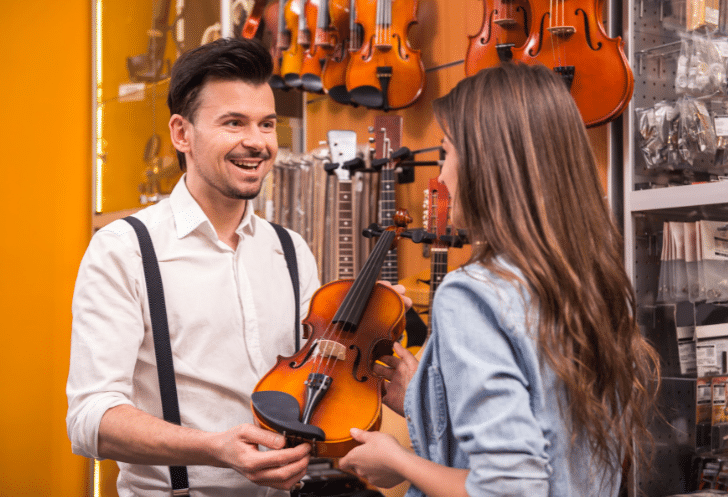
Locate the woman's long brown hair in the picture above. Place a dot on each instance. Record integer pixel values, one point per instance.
(528, 190)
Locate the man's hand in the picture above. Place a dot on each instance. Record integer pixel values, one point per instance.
(279, 468)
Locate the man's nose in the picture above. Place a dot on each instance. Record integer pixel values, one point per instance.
(254, 139)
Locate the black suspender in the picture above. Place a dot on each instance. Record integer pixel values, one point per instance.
(162, 346)
(160, 330)
(289, 253)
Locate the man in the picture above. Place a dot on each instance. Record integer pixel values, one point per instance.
(228, 295)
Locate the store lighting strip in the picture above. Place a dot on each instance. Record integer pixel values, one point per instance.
(98, 106)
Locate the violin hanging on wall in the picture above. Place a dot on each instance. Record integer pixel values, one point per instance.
(281, 42)
(385, 73)
(568, 36)
(333, 76)
(322, 46)
(505, 26)
(292, 57)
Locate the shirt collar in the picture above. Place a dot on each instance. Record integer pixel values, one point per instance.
(188, 215)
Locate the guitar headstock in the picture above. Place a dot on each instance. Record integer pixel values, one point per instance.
(387, 135)
(437, 210)
(342, 147)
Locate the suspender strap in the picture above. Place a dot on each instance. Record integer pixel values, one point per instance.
(289, 252)
(162, 346)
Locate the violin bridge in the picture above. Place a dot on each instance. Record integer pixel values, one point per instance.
(562, 31)
(330, 348)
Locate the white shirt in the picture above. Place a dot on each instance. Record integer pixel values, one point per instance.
(230, 315)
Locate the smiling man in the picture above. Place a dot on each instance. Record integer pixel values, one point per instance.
(228, 295)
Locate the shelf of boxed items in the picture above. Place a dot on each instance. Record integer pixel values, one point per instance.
(665, 186)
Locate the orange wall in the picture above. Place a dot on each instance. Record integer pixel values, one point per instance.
(45, 206)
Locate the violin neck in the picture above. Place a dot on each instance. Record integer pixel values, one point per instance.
(351, 309)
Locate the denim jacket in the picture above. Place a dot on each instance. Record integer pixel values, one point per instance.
(482, 400)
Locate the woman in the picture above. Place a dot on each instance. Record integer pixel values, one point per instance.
(536, 380)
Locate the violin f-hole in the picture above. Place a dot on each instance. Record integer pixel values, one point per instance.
(587, 31)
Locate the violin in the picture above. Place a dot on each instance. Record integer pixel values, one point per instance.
(323, 45)
(274, 16)
(252, 23)
(328, 387)
(570, 39)
(292, 57)
(505, 25)
(333, 74)
(385, 73)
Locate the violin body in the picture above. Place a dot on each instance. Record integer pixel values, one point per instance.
(322, 45)
(354, 398)
(292, 57)
(385, 73)
(505, 25)
(578, 48)
(275, 23)
(333, 74)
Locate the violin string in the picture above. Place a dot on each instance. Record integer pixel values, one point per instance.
(354, 295)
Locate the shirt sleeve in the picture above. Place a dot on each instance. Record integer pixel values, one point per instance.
(488, 368)
(107, 331)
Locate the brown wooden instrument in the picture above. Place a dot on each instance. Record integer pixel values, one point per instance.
(252, 22)
(328, 387)
(505, 25)
(385, 73)
(333, 74)
(274, 16)
(568, 36)
(292, 57)
(320, 49)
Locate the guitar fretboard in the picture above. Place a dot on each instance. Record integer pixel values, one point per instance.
(346, 231)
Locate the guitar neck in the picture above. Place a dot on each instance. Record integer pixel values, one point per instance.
(438, 270)
(388, 136)
(387, 208)
(345, 246)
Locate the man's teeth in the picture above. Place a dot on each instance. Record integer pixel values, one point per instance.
(244, 165)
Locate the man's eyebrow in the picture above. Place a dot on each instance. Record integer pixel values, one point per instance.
(240, 115)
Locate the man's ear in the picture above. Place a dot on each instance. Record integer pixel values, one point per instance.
(179, 132)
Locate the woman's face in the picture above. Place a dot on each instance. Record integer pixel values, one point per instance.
(449, 175)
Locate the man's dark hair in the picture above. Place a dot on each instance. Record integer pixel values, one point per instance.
(223, 59)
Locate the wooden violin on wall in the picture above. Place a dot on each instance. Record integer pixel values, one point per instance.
(505, 26)
(385, 73)
(322, 45)
(318, 394)
(568, 36)
(333, 74)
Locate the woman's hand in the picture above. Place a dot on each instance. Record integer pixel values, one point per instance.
(375, 459)
(398, 372)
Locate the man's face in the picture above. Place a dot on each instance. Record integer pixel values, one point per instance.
(232, 144)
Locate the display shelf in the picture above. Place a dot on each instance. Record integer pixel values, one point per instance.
(678, 197)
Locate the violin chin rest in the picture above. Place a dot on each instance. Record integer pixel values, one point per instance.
(281, 412)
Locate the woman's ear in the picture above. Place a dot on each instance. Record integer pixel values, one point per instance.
(179, 132)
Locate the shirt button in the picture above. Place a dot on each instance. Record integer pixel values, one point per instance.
(409, 419)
